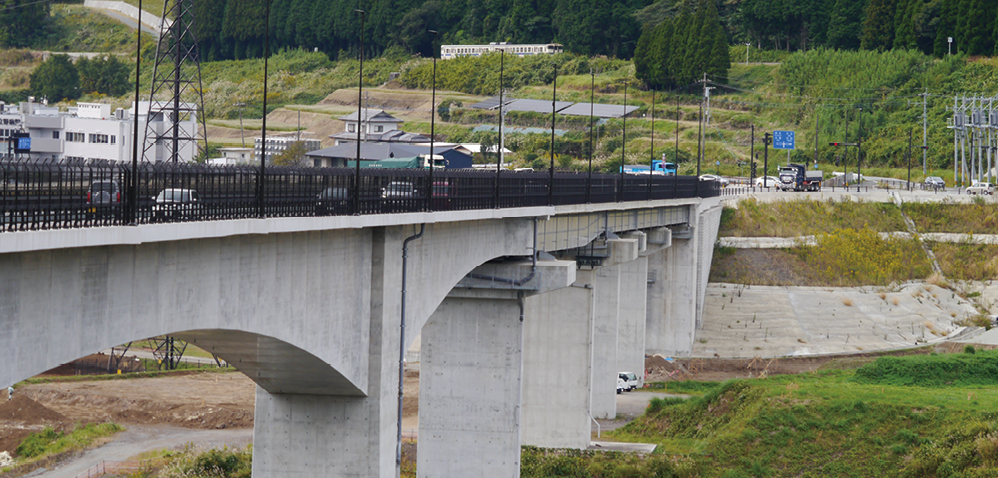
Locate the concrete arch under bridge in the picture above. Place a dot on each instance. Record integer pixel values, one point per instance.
(306, 307)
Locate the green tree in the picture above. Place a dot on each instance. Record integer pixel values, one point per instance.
(21, 21)
(946, 28)
(106, 75)
(878, 29)
(56, 79)
(980, 26)
(845, 28)
(293, 156)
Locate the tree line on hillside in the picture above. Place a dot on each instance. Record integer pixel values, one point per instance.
(235, 28)
(676, 52)
(21, 21)
(58, 78)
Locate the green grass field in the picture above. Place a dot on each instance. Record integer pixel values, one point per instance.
(910, 416)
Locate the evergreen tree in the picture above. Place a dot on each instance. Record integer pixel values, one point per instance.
(946, 28)
(662, 53)
(980, 26)
(845, 28)
(643, 65)
(904, 30)
(878, 29)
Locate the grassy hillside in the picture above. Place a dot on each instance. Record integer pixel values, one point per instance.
(909, 416)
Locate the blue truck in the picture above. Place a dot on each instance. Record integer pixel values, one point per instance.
(657, 167)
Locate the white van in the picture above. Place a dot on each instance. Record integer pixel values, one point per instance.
(629, 379)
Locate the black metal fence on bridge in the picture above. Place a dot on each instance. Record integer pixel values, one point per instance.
(76, 194)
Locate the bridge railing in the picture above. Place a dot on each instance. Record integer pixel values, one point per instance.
(77, 194)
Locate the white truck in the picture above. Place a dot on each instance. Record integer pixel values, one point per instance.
(630, 380)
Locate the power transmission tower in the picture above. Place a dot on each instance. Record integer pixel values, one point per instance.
(176, 103)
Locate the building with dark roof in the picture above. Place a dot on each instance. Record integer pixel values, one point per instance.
(337, 156)
(375, 126)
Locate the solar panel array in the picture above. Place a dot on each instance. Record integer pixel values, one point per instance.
(598, 110)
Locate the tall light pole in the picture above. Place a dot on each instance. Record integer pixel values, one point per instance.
(133, 194)
(360, 123)
(554, 102)
(623, 146)
(502, 58)
(592, 101)
(651, 163)
(747, 45)
(242, 135)
(261, 190)
(433, 116)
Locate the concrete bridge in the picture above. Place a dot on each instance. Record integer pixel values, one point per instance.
(525, 316)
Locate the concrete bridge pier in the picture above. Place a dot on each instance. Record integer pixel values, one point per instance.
(606, 283)
(471, 371)
(672, 278)
(557, 362)
(632, 314)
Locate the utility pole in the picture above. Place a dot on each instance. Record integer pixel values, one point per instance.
(816, 136)
(859, 153)
(766, 139)
(751, 156)
(925, 132)
(909, 160)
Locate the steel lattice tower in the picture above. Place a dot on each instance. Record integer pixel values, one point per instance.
(176, 77)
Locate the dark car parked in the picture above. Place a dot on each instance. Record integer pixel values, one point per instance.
(175, 204)
(104, 199)
(332, 201)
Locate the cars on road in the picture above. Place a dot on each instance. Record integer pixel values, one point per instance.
(934, 182)
(723, 182)
(104, 199)
(980, 188)
(767, 182)
(176, 203)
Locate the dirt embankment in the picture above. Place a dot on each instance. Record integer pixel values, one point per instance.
(661, 369)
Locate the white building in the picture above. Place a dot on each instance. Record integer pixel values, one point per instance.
(278, 144)
(448, 52)
(235, 155)
(376, 126)
(88, 131)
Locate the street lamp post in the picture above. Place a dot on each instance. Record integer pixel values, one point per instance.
(360, 104)
(242, 135)
(747, 45)
(651, 163)
(592, 96)
(949, 46)
(502, 59)
(133, 194)
(433, 115)
(261, 190)
(623, 146)
(554, 102)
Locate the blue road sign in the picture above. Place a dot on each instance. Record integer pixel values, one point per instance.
(23, 145)
(783, 140)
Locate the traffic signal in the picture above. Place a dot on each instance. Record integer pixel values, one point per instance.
(835, 144)
(753, 169)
